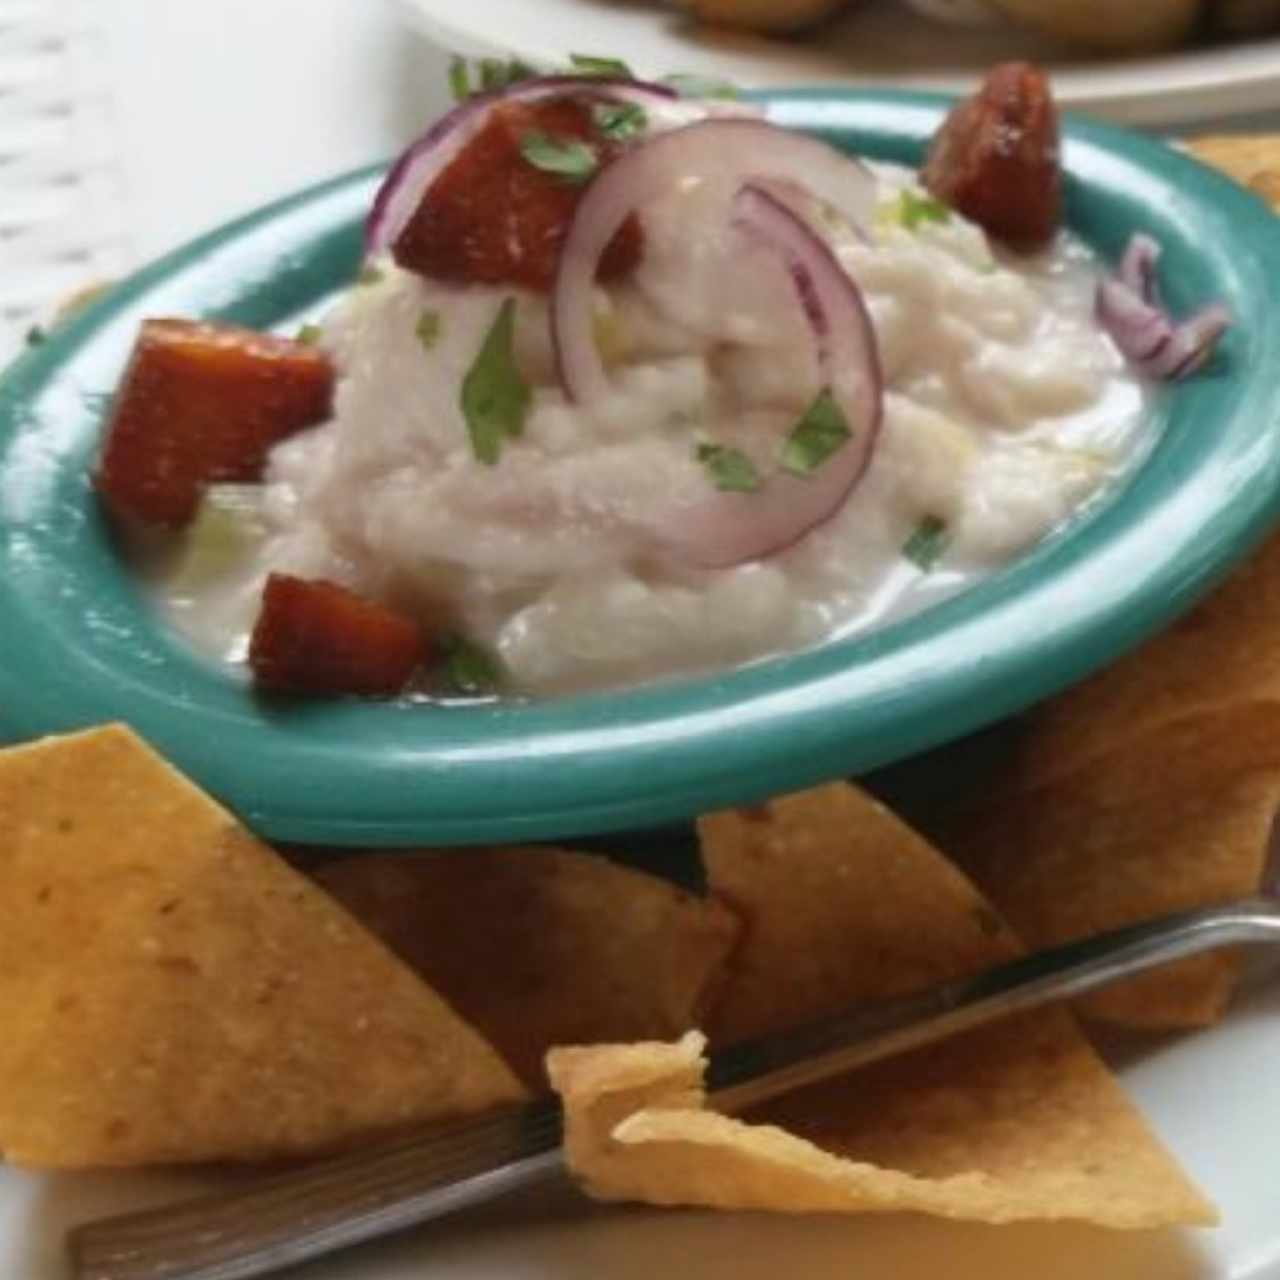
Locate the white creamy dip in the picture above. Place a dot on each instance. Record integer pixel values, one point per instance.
(1006, 409)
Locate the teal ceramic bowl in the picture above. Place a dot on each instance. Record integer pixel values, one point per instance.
(80, 645)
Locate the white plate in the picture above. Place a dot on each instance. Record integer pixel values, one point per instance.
(879, 43)
(1214, 1097)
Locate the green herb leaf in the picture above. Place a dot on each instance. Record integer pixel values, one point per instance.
(495, 398)
(927, 543)
(495, 73)
(567, 158)
(612, 68)
(369, 274)
(309, 335)
(468, 669)
(621, 121)
(459, 79)
(428, 329)
(730, 469)
(821, 431)
(913, 210)
(696, 86)
(35, 336)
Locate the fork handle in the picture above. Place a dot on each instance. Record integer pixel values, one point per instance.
(285, 1219)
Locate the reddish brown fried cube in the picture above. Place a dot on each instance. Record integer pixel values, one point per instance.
(315, 637)
(995, 158)
(201, 403)
(494, 217)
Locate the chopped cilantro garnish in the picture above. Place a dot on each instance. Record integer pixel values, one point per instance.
(821, 431)
(491, 74)
(495, 73)
(696, 86)
(927, 542)
(567, 158)
(495, 398)
(621, 121)
(469, 669)
(730, 469)
(309, 335)
(428, 328)
(459, 79)
(585, 65)
(35, 335)
(369, 274)
(913, 210)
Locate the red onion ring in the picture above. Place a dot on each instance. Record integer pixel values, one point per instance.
(1130, 309)
(725, 529)
(736, 151)
(421, 163)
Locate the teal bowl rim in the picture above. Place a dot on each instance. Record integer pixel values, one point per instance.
(81, 646)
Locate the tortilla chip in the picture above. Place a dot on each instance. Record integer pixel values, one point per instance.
(1176, 819)
(556, 947)
(636, 1129)
(170, 991)
(835, 892)
(1221, 654)
(1251, 159)
(844, 904)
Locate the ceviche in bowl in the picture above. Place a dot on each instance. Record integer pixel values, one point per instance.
(620, 452)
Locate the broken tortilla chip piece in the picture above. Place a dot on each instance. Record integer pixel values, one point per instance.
(1178, 818)
(170, 991)
(555, 948)
(637, 1129)
(843, 904)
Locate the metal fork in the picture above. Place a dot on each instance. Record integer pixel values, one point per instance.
(285, 1218)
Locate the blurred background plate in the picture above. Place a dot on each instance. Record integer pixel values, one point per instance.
(878, 44)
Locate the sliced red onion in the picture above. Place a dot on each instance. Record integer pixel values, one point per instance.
(1130, 309)
(723, 529)
(418, 166)
(731, 151)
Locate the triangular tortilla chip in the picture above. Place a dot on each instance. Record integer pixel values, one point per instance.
(1017, 1121)
(1178, 818)
(555, 947)
(1221, 654)
(170, 991)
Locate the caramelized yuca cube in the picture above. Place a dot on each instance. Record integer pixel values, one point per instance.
(201, 403)
(493, 217)
(995, 158)
(317, 637)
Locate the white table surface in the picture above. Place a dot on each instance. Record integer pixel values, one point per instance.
(128, 126)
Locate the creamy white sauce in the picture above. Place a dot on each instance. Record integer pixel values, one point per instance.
(1006, 410)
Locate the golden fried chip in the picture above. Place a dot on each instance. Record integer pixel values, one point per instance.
(1252, 159)
(1220, 654)
(535, 947)
(843, 904)
(170, 991)
(1178, 818)
(835, 892)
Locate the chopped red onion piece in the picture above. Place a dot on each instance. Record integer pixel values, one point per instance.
(1130, 309)
(1138, 268)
